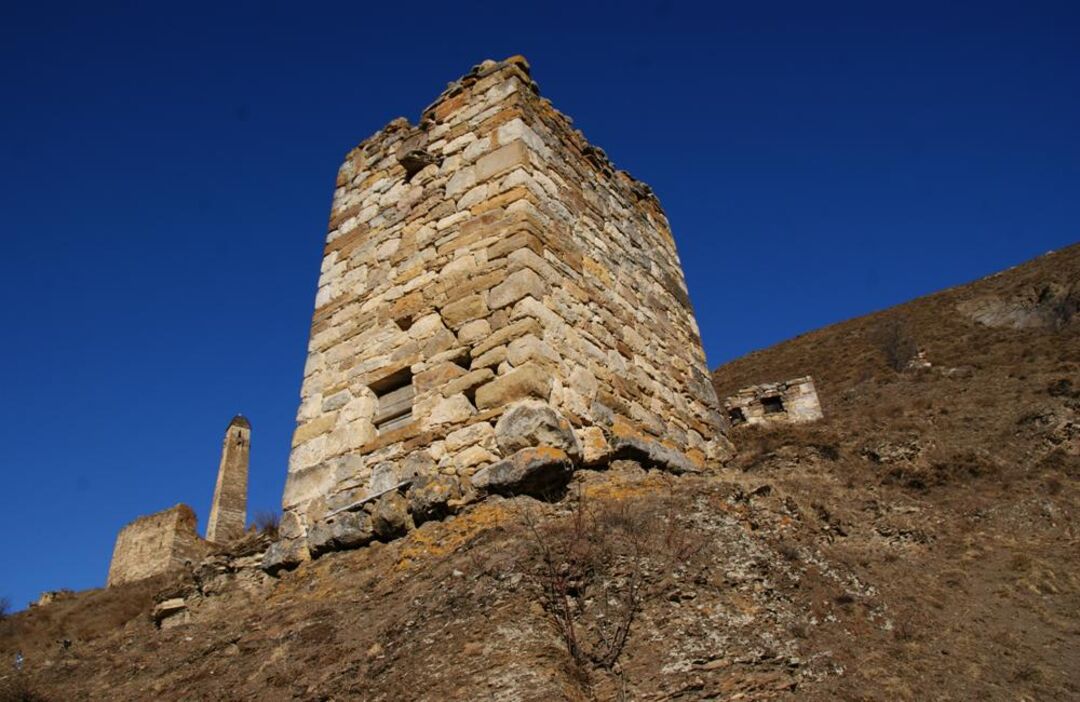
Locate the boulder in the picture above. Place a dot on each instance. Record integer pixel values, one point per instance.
(284, 555)
(542, 471)
(340, 532)
(429, 495)
(390, 518)
(532, 423)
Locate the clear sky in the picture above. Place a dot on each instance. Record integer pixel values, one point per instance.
(167, 171)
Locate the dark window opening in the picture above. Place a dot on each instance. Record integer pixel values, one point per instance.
(736, 416)
(772, 405)
(403, 323)
(395, 395)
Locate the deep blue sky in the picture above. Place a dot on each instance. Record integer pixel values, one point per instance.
(167, 172)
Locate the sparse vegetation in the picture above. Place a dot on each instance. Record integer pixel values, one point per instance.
(267, 522)
(595, 568)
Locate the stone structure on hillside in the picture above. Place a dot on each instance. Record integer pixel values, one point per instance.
(169, 539)
(791, 401)
(497, 305)
(156, 544)
(228, 512)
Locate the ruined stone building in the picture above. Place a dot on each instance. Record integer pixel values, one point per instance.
(497, 304)
(155, 544)
(168, 539)
(790, 401)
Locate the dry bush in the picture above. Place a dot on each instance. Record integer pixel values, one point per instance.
(5, 608)
(594, 569)
(895, 341)
(266, 522)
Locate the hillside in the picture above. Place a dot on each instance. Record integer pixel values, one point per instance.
(918, 543)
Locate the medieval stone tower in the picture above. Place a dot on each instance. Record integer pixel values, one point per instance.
(497, 303)
(228, 512)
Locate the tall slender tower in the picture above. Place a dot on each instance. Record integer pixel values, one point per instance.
(228, 514)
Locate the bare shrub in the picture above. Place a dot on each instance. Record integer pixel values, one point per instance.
(895, 341)
(594, 569)
(267, 522)
(5, 608)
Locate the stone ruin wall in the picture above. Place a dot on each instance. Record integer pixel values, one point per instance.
(155, 544)
(791, 401)
(486, 257)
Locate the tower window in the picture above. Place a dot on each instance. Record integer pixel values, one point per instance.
(395, 395)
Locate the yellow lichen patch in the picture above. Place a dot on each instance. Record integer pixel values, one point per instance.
(424, 544)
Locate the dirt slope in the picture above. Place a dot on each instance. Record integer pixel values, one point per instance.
(920, 543)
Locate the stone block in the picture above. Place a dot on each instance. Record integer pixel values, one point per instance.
(464, 310)
(520, 383)
(503, 159)
(341, 531)
(429, 496)
(532, 423)
(519, 284)
(540, 472)
(390, 518)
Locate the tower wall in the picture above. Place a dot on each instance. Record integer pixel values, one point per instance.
(485, 258)
(228, 512)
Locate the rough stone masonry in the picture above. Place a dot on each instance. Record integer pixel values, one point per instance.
(497, 305)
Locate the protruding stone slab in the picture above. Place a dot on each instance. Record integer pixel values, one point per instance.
(520, 383)
(540, 472)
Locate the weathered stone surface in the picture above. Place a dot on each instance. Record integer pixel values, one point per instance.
(170, 613)
(520, 383)
(517, 285)
(285, 555)
(156, 544)
(390, 518)
(541, 472)
(429, 496)
(533, 423)
(342, 531)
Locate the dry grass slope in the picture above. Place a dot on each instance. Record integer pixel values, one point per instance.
(920, 543)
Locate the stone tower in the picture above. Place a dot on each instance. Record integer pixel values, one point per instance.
(495, 297)
(228, 513)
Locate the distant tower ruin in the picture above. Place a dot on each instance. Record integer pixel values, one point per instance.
(228, 512)
(496, 300)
